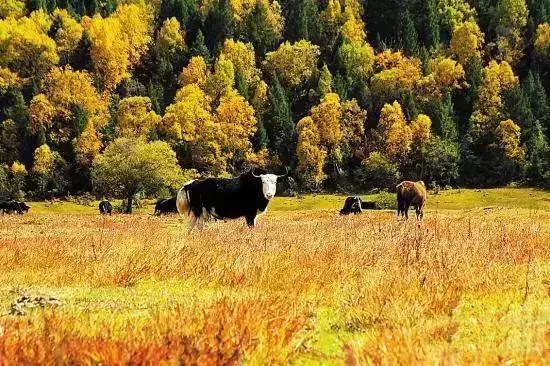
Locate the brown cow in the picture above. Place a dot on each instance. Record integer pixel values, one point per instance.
(411, 194)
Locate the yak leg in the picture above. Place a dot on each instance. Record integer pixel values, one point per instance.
(251, 220)
(407, 205)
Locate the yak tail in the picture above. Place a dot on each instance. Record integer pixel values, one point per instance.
(183, 204)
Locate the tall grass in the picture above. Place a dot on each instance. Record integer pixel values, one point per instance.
(459, 287)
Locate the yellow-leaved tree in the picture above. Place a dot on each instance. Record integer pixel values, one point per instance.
(395, 132)
(68, 33)
(70, 109)
(311, 157)
(118, 42)
(238, 122)
(466, 41)
(12, 8)
(243, 59)
(497, 77)
(171, 38)
(294, 64)
(135, 117)
(43, 165)
(542, 40)
(196, 72)
(508, 135)
(25, 45)
(398, 74)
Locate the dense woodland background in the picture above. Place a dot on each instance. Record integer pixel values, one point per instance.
(122, 97)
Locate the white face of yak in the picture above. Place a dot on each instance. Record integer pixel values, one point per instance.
(269, 185)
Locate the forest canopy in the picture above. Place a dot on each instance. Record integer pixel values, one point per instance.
(346, 94)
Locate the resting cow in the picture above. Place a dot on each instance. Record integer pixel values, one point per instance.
(166, 206)
(353, 205)
(411, 194)
(219, 198)
(105, 208)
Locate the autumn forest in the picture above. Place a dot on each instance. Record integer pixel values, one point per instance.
(346, 94)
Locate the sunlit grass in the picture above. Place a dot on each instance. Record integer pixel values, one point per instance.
(469, 284)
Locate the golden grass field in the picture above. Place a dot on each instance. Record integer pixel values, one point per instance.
(468, 284)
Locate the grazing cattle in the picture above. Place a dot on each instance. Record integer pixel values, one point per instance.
(11, 207)
(166, 206)
(219, 198)
(105, 208)
(411, 194)
(353, 205)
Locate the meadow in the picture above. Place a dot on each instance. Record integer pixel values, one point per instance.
(468, 284)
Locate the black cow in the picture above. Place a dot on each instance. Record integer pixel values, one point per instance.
(219, 198)
(105, 208)
(166, 206)
(353, 205)
(11, 207)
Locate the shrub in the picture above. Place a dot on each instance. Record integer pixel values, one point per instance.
(385, 201)
(377, 171)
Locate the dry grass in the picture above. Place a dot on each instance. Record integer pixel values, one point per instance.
(305, 287)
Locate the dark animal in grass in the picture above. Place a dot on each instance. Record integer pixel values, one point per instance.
(220, 198)
(11, 207)
(367, 205)
(105, 208)
(411, 194)
(166, 206)
(352, 205)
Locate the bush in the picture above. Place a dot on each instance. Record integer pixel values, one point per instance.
(377, 171)
(385, 201)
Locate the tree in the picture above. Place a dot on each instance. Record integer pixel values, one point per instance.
(69, 106)
(395, 132)
(12, 8)
(218, 24)
(542, 41)
(294, 64)
(466, 41)
(311, 158)
(356, 60)
(279, 123)
(432, 24)
(511, 19)
(508, 135)
(324, 85)
(409, 36)
(135, 117)
(198, 48)
(264, 26)
(327, 117)
(68, 34)
(243, 59)
(9, 142)
(114, 50)
(171, 38)
(301, 20)
(237, 120)
(43, 165)
(538, 158)
(196, 72)
(128, 167)
(26, 46)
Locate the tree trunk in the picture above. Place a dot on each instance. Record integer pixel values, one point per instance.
(129, 204)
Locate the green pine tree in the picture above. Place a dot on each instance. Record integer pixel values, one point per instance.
(279, 123)
(409, 36)
(432, 24)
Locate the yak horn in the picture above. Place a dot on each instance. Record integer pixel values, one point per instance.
(254, 175)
